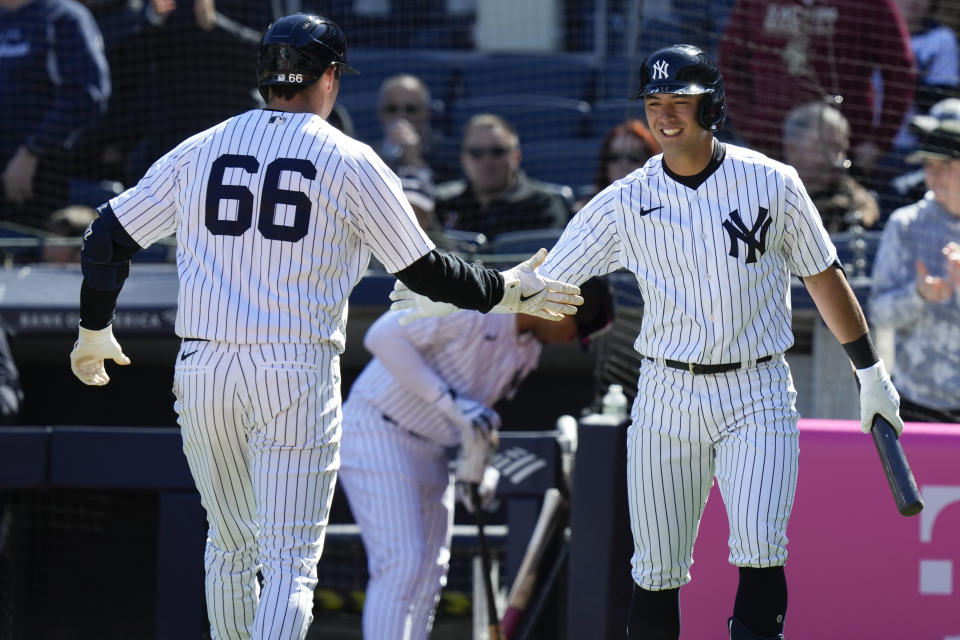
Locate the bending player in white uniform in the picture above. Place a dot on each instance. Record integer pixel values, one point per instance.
(431, 385)
(712, 232)
(276, 214)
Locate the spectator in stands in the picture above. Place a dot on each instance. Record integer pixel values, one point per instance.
(54, 82)
(66, 226)
(409, 141)
(11, 393)
(916, 276)
(497, 196)
(816, 137)
(777, 54)
(199, 73)
(937, 55)
(625, 147)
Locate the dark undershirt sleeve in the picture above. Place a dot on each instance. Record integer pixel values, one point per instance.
(97, 307)
(447, 278)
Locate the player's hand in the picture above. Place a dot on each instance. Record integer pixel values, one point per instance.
(478, 425)
(419, 306)
(18, 176)
(878, 395)
(486, 491)
(89, 352)
(526, 291)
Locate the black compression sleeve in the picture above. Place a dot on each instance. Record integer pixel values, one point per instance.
(447, 278)
(97, 307)
(862, 352)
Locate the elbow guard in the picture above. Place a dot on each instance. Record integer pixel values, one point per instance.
(107, 249)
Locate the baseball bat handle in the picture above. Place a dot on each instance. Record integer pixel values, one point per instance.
(896, 468)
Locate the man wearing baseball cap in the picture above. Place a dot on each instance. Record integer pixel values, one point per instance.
(916, 275)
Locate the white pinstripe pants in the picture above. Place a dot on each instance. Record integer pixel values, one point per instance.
(261, 431)
(401, 495)
(740, 426)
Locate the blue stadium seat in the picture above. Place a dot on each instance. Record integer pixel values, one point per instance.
(605, 114)
(19, 243)
(437, 69)
(617, 78)
(569, 161)
(857, 251)
(536, 117)
(526, 241)
(362, 109)
(566, 75)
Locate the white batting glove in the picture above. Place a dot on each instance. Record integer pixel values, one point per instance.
(878, 395)
(419, 306)
(89, 352)
(526, 291)
(486, 491)
(478, 426)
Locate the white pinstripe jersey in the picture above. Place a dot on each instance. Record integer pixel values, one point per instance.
(713, 264)
(276, 215)
(480, 356)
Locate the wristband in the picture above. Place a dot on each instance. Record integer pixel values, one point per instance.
(862, 352)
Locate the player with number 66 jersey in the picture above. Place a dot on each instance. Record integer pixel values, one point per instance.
(276, 214)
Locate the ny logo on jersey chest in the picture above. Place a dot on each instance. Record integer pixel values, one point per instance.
(754, 237)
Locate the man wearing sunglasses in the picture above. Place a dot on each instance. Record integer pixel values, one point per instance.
(405, 108)
(497, 196)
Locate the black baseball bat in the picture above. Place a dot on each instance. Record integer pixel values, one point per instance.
(895, 466)
(493, 618)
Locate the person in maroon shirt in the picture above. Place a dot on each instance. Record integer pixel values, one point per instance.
(777, 54)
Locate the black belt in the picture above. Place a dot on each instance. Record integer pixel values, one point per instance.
(702, 369)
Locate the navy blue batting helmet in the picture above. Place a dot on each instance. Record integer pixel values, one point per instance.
(688, 70)
(297, 49)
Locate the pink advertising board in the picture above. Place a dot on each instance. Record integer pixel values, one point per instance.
(857, 568)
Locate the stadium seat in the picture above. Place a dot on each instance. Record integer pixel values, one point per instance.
(437, 69)
(536, 117)
(566, 75)
(856, 251)
(605, 114)
(569, 161)
(19, 243)
(526, 241)
(617, 78)
(362, 109)
(92, 193)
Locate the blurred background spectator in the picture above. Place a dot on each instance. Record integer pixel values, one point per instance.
(777, 54)
(625, 147)
(816, 138)
(937, 57)
(54, 83)
(202, 75)
(497, 196)
(916, 276)
(66, 227)
(404, 108)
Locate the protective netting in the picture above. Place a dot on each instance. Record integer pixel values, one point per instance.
(560, 72)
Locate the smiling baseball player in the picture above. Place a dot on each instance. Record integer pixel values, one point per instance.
(712, 232)
(276, 214)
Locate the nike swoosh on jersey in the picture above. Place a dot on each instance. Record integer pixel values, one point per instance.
(184, 356)
(524, 298)
(644, 212)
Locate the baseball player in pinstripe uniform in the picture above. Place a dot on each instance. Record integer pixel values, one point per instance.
(276, 214)
(712, 232)
(393, 458)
